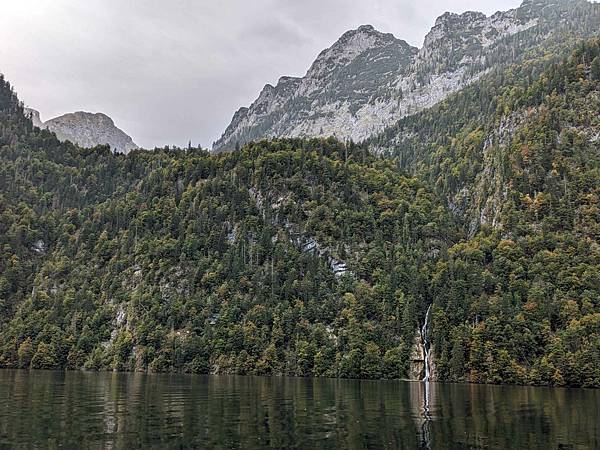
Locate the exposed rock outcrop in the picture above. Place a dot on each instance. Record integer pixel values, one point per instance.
(86, 129)
(369, 80)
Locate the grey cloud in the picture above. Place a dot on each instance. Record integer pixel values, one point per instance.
(172, 71)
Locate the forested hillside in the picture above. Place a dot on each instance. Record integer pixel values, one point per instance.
(521, 167)
(313, 257)
(287, 257)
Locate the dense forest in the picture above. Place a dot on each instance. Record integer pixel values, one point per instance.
(521, 167)
(315, 257)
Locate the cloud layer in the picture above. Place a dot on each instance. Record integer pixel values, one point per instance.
(170, 74)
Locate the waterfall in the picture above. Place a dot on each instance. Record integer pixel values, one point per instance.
(426, 346)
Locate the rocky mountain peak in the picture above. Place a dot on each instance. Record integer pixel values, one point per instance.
(98, 119)
(368, 80)
(453, 19)
(86, 129)
(366, 29)
(352, 44)
(457, 35)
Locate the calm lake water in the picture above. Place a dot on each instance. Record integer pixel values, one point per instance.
(127, 411)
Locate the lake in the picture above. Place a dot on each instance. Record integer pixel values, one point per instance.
(125, 411)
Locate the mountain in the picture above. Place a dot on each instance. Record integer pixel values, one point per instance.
(340, 85)
(369, 80)
(314, 257)
(86, 129)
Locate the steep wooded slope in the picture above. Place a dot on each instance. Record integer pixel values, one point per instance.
(316, 257)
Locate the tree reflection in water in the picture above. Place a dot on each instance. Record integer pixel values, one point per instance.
(110, 410)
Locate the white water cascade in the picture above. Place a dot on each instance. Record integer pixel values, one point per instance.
(426, 346)
(425, 432)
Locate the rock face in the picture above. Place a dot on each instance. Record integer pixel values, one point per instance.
(35, 117)
(86, 129)
(369, 80)
(348, 92)
(416, 370)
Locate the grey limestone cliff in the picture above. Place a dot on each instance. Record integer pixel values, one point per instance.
(369, 80)
(86, 129)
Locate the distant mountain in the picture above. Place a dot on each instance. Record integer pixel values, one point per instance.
(369, 80)
(86, 129)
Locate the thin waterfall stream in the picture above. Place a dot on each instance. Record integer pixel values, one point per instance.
(426, 346)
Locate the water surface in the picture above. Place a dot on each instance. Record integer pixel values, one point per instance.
(125, 411)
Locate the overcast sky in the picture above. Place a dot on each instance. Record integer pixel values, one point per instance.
(172, 71)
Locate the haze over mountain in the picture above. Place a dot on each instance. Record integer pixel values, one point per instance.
(172, 72)
(369, 80)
